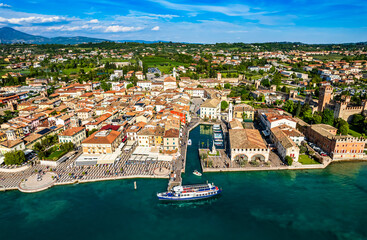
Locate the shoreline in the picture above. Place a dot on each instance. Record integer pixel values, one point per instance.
(204, 170)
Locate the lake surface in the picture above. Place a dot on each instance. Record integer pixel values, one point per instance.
(314, 204)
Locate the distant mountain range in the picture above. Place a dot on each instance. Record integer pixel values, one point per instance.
(9, 35)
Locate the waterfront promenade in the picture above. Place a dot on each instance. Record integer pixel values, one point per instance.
(68, 173)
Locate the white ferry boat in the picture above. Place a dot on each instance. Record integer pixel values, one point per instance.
(190, 192)
(197, 173)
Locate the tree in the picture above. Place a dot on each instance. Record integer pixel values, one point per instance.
(67, 147)
(289, 106)
(14, 157)
(298, 109)
(265, 82)
(288, 160)
(328, 117)
(91, 131)
(277, 79)
(106, 86)
(317, 118)
(130, 85)
(227, 86)
(223, 105)
(278, 102)
(342, 125)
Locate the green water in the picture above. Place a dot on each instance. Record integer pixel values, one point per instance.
(317, 204)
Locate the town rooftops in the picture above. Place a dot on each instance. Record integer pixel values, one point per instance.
(102, 137)
(170, 79)
(72, 131)
(242, 107)
(211, 103)
(282, 138)
(172, 133)
(246, 139)
(11, 143)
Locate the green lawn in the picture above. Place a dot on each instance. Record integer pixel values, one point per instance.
(354, 133)
(56, 155)
(305, 159)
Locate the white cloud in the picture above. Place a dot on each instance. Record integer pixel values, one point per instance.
(3, 5)
(118, 28)
(156, 28)
(94, 21)
(150, 15)
(32, 20)
(230, 10)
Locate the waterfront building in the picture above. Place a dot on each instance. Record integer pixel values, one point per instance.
(146, 137)
(248, 145)
(285, 146)
(210, 109)
(171, 140)
(74, 135)
(11, 145)
(102, 142)
(337, 146)
(270, 120)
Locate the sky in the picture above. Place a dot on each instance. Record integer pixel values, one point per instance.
(194, 21)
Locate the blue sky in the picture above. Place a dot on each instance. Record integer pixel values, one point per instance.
(200, 21)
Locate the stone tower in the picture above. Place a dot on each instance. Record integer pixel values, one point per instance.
(325, 97)
(219, 76)
(230, 112)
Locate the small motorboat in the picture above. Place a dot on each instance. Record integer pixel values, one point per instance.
(189, 142)
(197, 173)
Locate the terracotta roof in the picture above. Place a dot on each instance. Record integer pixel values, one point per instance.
(72, 131)
(246, 138)
(102, 137)
(172, 133)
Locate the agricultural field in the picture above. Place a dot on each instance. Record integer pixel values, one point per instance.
(75, 70)
(328, 57)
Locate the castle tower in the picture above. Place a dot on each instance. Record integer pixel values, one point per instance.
(219, 76)
(257, 84)
(364, 104)
(325, 97)
(230, 112)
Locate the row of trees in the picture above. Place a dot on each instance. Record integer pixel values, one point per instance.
(16, 157)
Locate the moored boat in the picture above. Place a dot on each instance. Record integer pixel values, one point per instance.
(189, 142)
(197, 173)
(218, 136)
(190, 192)
(218, 143)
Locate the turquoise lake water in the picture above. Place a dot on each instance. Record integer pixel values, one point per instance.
(314, 204)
